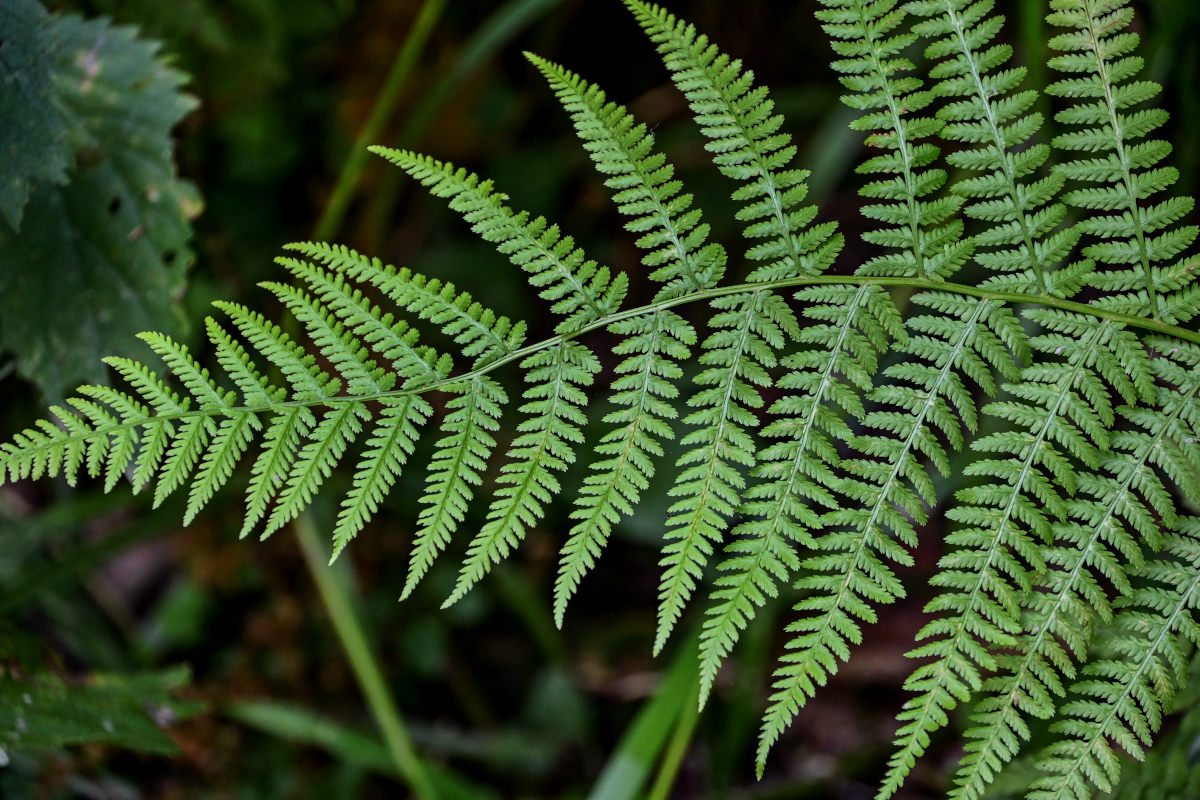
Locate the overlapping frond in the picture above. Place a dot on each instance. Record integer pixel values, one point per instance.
(1117, 169)
(1119, 703)
(1112, 517)
(927, 400)
(1060, 416)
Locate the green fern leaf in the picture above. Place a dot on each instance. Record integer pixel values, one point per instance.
(457, 464)
(653, 347)
(1100, 542)
(924, 229)
(671, 231)
(1122, 699)
(549, 434)
(1117, 168)
(480, 333)
(580, 290)
(747, 146)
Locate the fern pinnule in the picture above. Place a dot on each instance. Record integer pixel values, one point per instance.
(985, 110)
(1117, 168)
(747, 146)
(653, 346)
(850, 328)
(749, 329)
(457, 465)
(1121, 700)
(549, 438)
(170, 461)
(623, 150)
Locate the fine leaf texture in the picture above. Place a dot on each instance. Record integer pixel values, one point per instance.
(982, 378)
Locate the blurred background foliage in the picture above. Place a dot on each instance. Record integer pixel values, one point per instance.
(96, 590)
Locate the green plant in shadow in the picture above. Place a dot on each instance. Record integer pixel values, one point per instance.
(821, 414)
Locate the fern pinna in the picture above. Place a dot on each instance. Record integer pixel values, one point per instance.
(1043, 346)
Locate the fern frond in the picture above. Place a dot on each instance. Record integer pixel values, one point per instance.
(390, 444)
(673, 236)
(1061, 412)
(653, 347)
(986, 111)
(549, 436)
(888, 487)
(671, 231)
(1119, 168)
(749, 329)
(925, 231)
(1122, 699)
(457, 464)
(747, 146)
(1116, 510)
(479, 331)
(580, 290)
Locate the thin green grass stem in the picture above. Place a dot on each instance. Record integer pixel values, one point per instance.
(681, 738)
(629, 766)
(335, 595)
(331, 218)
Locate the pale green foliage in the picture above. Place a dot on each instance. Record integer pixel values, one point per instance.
(1118, 166)
(1052, 413)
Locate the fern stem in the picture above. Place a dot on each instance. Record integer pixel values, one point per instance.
(1017, 298)
(385, 103)
(336, 599)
